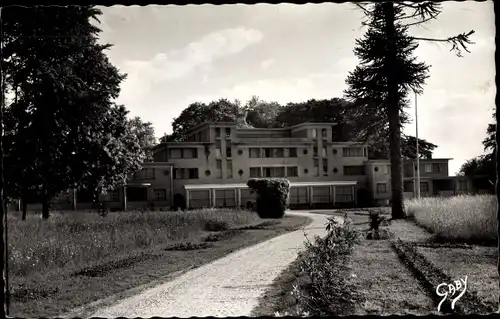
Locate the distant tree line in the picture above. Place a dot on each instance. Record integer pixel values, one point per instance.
(261, 114)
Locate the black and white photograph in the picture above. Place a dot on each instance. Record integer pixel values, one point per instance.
(260, 159)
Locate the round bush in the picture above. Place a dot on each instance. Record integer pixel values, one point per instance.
(273, 196)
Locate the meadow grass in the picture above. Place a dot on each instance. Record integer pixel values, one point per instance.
(76, 239)
(464, 218)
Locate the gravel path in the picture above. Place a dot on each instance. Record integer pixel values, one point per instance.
(230, 286)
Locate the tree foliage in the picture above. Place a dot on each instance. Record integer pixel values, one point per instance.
(196, 113)
(63, 129)
(145, 134)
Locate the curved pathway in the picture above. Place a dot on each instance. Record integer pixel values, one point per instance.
(230, 286)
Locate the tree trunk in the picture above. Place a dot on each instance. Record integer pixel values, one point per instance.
(45, 205)
(24, 207)
(398, 211)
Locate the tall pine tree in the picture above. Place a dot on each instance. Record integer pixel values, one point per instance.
(388, 72)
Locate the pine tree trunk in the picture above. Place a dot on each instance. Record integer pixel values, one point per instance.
(398, 211)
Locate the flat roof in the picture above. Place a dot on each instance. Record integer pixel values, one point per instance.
(194, 128)
(292, 184)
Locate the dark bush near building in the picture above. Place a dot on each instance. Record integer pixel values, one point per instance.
(273, 196)
(179, 202)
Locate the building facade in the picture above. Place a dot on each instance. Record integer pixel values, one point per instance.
(211, 169)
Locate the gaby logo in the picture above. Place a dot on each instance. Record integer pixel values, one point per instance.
(457, 288)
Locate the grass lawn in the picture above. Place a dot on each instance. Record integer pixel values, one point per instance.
(382, 284)
(478, 263)
(470, 219)
(85, 258)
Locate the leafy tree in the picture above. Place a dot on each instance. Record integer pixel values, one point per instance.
(380, 85)
(222, 110)
(63, 129)
(484, 165)
(262, 114)
(145, 133)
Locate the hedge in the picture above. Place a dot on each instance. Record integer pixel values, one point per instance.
(273, 196)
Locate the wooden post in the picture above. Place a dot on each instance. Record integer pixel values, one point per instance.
(124, 202)
(73, 202)
(213, 197)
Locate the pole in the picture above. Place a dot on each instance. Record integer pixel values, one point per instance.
(417, 153)
(3, 287)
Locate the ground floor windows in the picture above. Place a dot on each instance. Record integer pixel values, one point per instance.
(225, 198)
(160, 195)
(344, 193)
(199, 198)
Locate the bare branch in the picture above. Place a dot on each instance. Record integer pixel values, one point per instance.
(366, 11)
(426, 11)
(459, 42)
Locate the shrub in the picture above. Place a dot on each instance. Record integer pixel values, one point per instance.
(457, 219)
(325, 265)
(273, 196)
(216, 225)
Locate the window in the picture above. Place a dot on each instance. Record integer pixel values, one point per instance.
(254, 152)
(462, 185)
(323, 152)
(218, 153)
(229, 166)
(190, 153)
(424, 187)
(225, 198)
(292, 152)
(193, 173)
(160, 195)
(175, 153)
(354, 170)
(267, 152)
(149, 173)
(427, 168)
(344, 194)
(381, 188)
(436, 168)
(228, 132)
(325, 168)
(255, 172)
(292, 171)
(314, 133)
(229, 153)
(352, 151)
(316, 167)
(323, 133)
(217, 132)
(274, 171)
(278, 152)
(219, 164)
(315, 151)
(178, 173)
(114, 196)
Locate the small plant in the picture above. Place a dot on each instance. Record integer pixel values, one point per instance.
(376, 220)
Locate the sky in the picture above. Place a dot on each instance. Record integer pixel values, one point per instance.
(177, 55)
